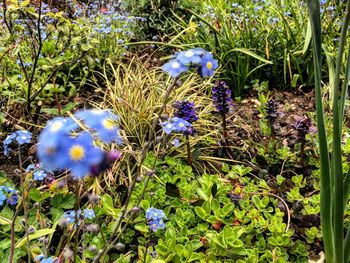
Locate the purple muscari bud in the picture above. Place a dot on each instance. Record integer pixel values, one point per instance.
(303, 127)
(190, 131)
(271, 110)
(113, 155)
(221, 95)
(185, 110)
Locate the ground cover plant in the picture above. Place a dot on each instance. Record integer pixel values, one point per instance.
(174, 131)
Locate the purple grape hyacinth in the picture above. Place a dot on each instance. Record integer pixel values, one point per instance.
(185, 110)
(221, 95)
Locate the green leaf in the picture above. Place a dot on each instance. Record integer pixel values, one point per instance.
(331, 70)
(307, 37)
(171, 238)
(70, 106)
(249, 53)
(63, 201)
(38, 196)
(228, 208)
(295, 80)
(36, 235)
(56, 213)
(215, 207)
(202, 194)
(326, 181)
(200, 212)
(49, 47)
(5, 221)
(86, 47)
(145, 204)
(142, 227)
(108, 207)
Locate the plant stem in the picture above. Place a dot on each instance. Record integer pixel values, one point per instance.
(77, 228)
(224, 127)
(13, 241)
(225, 135)
(188, 147)
(36, 59)
(302, 153)
(24, 203)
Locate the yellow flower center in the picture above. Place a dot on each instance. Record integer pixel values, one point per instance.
(108, 124)
(209, 65)
(175, 65)
(181, 124)
(56, 126)
(77, 152)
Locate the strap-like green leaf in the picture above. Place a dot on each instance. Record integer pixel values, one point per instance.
(36, 235)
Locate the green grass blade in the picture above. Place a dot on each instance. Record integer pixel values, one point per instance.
(337, 163)
(346, 186)
(249, 53)
(36, 235)
(347, 246)
(331, 72)
(326, 196)
(344, 93)
(307, 37)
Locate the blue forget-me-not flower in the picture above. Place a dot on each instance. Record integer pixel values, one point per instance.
(155, 218)
(68, 144)
(198, 58)
(21, 137)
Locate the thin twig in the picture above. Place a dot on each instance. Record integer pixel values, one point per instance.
(13, 241)
(35, 64)
(77, 228)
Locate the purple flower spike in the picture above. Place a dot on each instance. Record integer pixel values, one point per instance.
(221, 95)
(185, 111)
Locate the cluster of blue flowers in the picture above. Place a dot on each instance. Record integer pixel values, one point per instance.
(175, 124)
(202, 60)
(65, 145)
(39, 174)
(185, 110)
(155, 218)
(42, 259)
(25, 64)
(69, 216)
(9, 195)
(21, 137)
(222, 97)
(116, 23)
